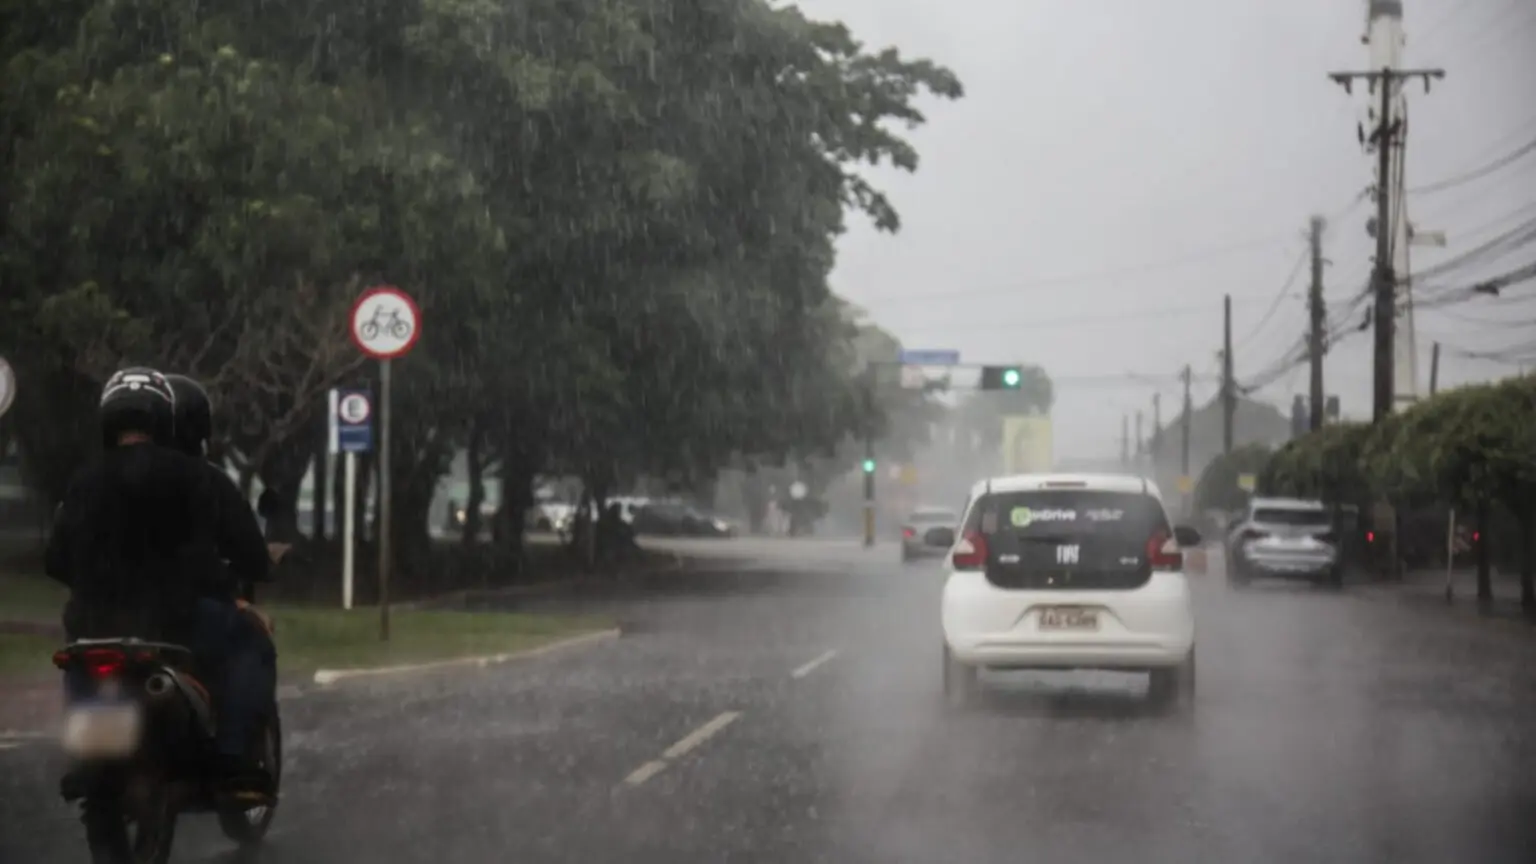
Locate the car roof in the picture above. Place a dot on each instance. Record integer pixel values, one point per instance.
(1092, 482)
(1287, 504)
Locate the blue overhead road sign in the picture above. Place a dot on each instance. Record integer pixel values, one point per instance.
(930, 357)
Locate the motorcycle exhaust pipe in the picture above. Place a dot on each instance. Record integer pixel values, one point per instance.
(159, 685)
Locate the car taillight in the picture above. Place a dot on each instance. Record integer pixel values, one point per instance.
(971, 552)
(1163, 552)
(1370, 536)
(908, 533)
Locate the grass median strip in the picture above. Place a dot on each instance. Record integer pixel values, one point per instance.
(310, 638)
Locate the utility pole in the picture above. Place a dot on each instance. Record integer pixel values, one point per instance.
(869, 456)
(1157, 427)
(1125, 440)
(1141, 443)
(1228, 386)
(1387, 136)
(1319, 316)
(1189, 408)
(1434, 369)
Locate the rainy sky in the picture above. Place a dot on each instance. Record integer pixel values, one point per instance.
(1118, 165)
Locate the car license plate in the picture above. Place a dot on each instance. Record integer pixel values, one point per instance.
(1068, 618)
(102, 730)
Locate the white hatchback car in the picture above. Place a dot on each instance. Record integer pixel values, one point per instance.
(1069, 571)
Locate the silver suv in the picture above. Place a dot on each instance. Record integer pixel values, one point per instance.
(1284, 538)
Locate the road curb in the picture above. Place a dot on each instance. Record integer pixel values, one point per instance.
(552, 587)
(327, 677)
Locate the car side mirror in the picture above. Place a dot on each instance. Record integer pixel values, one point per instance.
(945, 536)
(1188, 537)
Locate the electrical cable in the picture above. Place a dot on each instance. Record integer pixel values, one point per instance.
(1478, 173)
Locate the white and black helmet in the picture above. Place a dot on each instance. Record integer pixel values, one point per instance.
(138, 399)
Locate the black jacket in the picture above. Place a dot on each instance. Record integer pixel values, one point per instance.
(136, 541)
(238, 535)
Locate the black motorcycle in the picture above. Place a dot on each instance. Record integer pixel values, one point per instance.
(138, 738)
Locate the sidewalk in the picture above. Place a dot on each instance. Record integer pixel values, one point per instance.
(1428, 588)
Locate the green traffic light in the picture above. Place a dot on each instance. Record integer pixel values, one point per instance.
(869, 466)
(1011, 377)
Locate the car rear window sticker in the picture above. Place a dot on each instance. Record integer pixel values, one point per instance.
(1023, 517)
(1106, 515)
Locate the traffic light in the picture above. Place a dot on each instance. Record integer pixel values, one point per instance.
(1001, 377)
(869, 466)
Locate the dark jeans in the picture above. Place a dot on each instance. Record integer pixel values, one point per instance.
(242, 664)
(238, 663)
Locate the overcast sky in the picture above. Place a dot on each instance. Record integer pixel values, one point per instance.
(1118, 165)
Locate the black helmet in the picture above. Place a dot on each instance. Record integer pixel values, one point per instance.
(138, 399)
(194, 415)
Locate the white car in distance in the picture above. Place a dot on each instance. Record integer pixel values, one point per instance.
(1069, 571)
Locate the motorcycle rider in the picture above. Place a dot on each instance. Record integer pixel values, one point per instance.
(133, 536)
(246, 679)
(133, 542)
(137, 541)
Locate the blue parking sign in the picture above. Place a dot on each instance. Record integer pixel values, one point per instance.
(351, 421)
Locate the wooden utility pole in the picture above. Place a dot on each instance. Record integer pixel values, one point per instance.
(1319, 316)
(1434, 369)
(1388, 135)
(1228, 386)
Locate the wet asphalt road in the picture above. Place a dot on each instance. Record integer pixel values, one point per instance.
(1328, 727)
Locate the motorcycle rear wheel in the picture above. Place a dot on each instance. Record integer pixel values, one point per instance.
(149, 834)
(249, 826)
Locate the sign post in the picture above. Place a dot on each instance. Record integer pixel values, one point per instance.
(7, 386)
(385, 324)
(351, 433)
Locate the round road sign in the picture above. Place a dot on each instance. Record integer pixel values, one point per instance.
(385, 322)
(7, 386)
(354, 408)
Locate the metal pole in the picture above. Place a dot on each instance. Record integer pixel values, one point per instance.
(869, 456)
(348, 528)
(1450, 555)
(381, 528)
(1434, 369)
(1228, 387)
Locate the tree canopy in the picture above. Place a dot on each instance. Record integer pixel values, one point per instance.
(617, 217)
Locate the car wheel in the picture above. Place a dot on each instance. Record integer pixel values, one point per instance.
(1173, 687)
(962, 683)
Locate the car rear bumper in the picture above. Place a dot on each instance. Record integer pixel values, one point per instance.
(1150, 627)
(921, 550)
(1288, 566)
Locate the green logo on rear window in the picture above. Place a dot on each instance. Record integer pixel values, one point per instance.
(1021, 517)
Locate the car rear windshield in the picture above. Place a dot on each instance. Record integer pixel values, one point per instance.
(1291, 516)
(1081, 513)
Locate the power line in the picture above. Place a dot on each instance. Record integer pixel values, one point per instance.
(1274, 306)
(1477, 173)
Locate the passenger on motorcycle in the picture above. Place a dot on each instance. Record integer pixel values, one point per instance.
(245, 683)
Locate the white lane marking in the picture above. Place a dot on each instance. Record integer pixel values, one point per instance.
(9, 745)
(645, 772)
(700, 735)
(812, 666)
(689, 742)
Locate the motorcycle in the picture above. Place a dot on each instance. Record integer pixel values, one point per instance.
(138, 734)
